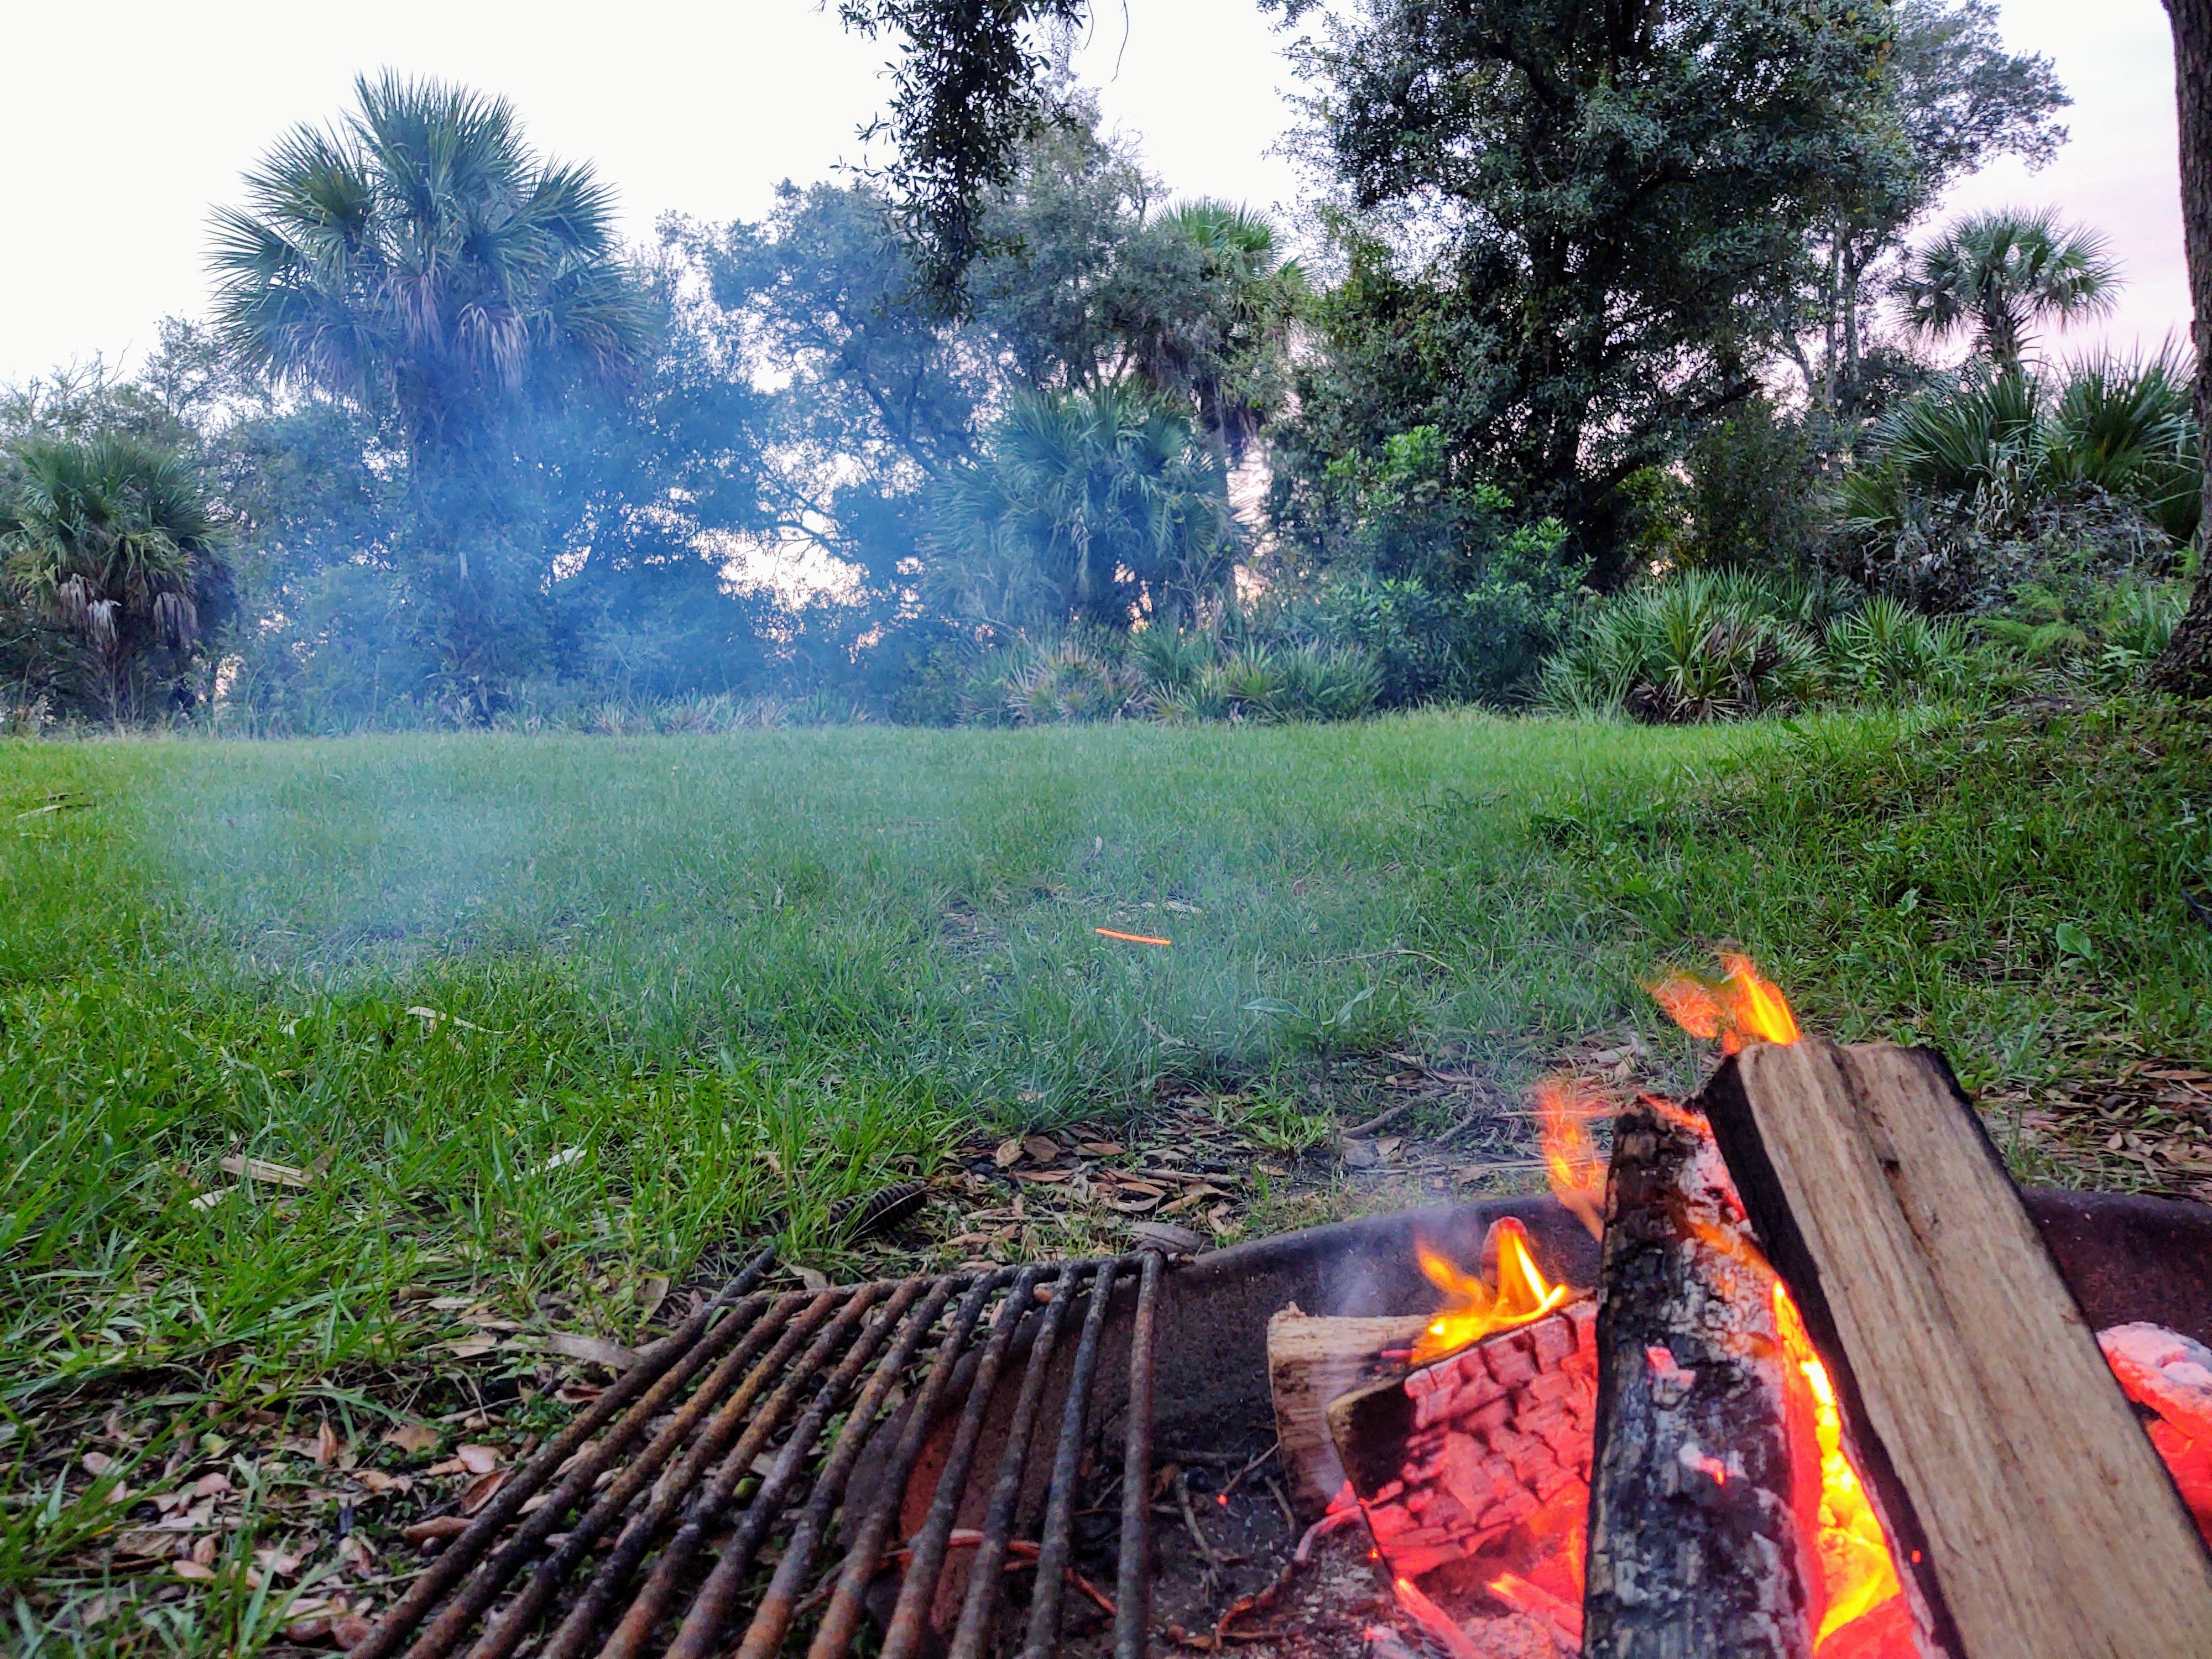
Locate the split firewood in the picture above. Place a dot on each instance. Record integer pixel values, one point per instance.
(1311, 1360)
(1704, 1458)
(2027, 1511)
(1449, 1459)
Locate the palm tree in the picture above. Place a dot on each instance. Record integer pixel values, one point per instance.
(1089, 507)
(1998, 275)
(421, 262)
(113, 540)
(1220, 336)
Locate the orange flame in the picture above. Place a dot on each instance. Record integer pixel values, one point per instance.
(1471, 1309)
(1740, 1008)
(1577, 1177)
(1857, 1573)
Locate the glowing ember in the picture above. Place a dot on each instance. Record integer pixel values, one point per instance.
(1740, 1008)
(1856, 1573)
(1472, 1309)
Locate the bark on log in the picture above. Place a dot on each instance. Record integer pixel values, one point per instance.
(2027, 1511)
(1704, 1458)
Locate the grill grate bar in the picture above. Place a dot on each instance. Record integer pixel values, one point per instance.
(1132, 1592)
(1060, 1506)
(985, 1576)
(672, 1495)
(656, 1378)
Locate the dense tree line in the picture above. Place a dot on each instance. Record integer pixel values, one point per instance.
(1594, 291)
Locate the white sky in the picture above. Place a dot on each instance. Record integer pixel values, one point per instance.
(124, 121)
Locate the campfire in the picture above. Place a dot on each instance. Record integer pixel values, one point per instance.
(1669, 1451)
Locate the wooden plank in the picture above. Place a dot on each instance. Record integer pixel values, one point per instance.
(2028, 1513)
(1706, 1471)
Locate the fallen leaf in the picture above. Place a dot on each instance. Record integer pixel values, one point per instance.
(413, 1438)
(476, 1460)
(481, 1489)
(572, 1345)
(350, 1630)
(305, 1631)
(198, 1571)
(378, 1483)
(650, 1296)
(1130, 1205)
(260, 1168)
(208, 1200)
(470, 1347)
(204, 1551)
(275, 1561)
(1047, 1176)
(97, 1463)
(326, 1444)
(438, 1526)
(813, 1278)
(1009, 1153)
(1043, 1148)
(209, 1484)
(1101, 1148)
(562, 1159)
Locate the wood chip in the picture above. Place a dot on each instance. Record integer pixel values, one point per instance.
(260, 1168)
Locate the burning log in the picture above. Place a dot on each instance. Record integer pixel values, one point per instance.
(2170, 1376)
(1450, 1459)
(1704, 1457)
(2026, 1510)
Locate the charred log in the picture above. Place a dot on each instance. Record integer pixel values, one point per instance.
(1704, 1459)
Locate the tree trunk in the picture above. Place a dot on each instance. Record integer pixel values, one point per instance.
(2186, 667)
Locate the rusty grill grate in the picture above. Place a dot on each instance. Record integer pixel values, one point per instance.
(648, 1478)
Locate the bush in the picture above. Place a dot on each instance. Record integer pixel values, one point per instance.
(1700, 645)
(1483, 644)
(1968, 493)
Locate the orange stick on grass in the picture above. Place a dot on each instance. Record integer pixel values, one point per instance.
(1133, 939)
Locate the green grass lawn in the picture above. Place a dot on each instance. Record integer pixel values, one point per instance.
(564, 1013)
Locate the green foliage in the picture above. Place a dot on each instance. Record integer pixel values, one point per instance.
(1570, 243)
(115, 543)
(1998, 276)
(1702, 646)
(1965, 491)
(2106, 637)
(1094, 507)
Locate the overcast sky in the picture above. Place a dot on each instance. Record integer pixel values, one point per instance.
(122, 123)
